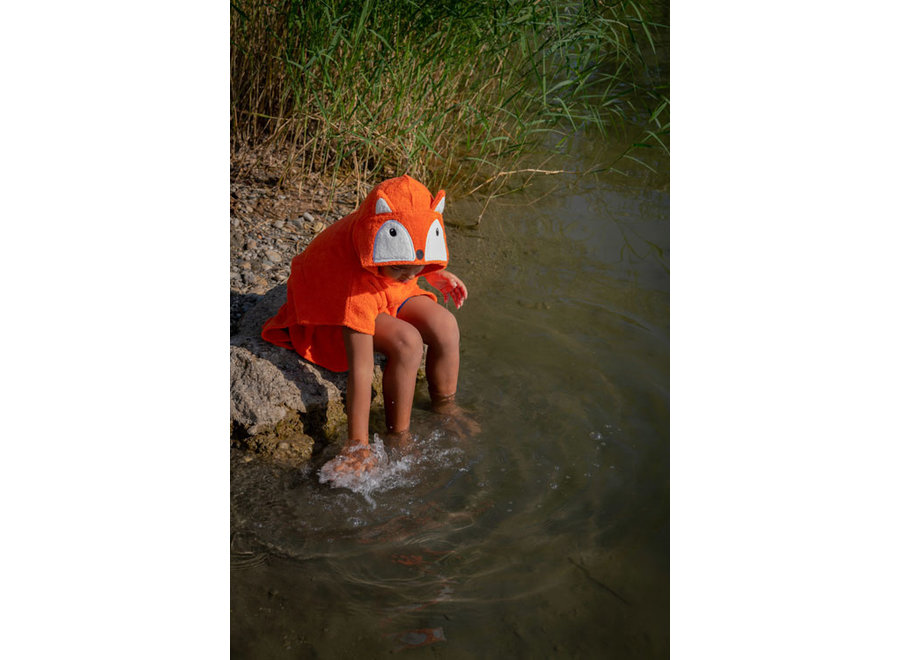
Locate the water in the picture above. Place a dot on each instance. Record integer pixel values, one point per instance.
(546, 535)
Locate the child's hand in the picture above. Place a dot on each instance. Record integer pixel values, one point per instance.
(448, 284)
(356, 458)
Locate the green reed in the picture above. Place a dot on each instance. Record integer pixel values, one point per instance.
(454, 91)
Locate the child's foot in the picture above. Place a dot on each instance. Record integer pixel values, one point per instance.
(401, 440)
(458, 420)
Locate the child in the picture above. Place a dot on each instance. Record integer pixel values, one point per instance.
(354, 291)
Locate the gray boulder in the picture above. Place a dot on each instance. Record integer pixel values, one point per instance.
(270, 383)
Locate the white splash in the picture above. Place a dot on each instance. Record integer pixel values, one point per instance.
(385, 475)
(392, 470)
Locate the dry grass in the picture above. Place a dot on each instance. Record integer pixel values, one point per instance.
(457, 91)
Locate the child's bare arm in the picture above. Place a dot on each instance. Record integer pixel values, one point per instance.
(448, 284)
(361, 358)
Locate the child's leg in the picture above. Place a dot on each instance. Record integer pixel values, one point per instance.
(438, 328)
(402, 344)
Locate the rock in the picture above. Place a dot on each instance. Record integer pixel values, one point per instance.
(286, 443)
(309, 217)
(273, 256)
(261, 396)
(251, 244)
(278, 224)
(270, 384)
(319, 226)
(279, 401)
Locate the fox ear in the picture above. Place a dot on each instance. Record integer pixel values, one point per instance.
(381, 206)
(439, 206)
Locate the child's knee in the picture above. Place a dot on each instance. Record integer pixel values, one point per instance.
(407, 345)
(447, 330)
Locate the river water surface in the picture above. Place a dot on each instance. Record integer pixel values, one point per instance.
(547, 533)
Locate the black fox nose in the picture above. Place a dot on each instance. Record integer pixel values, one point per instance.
(419, 254)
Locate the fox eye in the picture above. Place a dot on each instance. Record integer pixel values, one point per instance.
(435, 246)
(393, 243)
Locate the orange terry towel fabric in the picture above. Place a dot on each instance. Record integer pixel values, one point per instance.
(334, 282)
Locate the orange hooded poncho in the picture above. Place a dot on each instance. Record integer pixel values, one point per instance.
(334, 282)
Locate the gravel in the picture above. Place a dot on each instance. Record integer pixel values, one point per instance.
(270, 225)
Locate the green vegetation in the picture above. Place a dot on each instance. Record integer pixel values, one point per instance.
(456, 91)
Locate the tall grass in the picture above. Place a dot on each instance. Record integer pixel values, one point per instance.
(453, 91)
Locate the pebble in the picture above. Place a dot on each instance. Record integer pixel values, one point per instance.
(262, 247)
